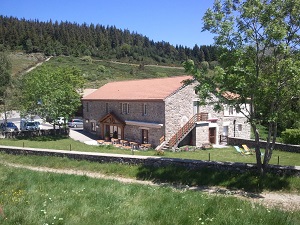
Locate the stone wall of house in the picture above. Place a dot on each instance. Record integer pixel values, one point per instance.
(202, 134)
(134, 133)
(179, 109)
(95, 110)
(150, 161)
(234, 123)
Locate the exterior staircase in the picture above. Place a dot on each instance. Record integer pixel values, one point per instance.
(184, 131)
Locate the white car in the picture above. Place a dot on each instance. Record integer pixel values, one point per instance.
(75, 123)
(60, 120)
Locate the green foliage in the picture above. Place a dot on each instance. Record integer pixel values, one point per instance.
(51, 91)
(259, 62)
(87, 59)
(291, 136)
(105, 42)
(5, 74)
(5, 84)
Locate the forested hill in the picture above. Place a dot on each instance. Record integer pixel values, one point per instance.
(65, 38)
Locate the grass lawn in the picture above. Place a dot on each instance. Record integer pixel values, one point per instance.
(225, 154)
(28, 197)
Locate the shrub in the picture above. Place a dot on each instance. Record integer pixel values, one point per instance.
(159, 152)
(291, 136)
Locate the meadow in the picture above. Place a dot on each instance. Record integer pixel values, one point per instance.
(228, 154)
(100, 72)
(245, 181)
(28, 197)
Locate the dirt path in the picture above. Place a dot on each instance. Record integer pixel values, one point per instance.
(38, 64)
(289, 202)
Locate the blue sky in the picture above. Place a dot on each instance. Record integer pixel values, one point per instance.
(173, 21)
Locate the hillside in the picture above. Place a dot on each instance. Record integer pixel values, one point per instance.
(96, 72)
(21, 61)
(98, 41)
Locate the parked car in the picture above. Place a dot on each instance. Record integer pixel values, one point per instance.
(38, 124)
(60, 120)
(32, 125)
(9, 127)
(75, 123)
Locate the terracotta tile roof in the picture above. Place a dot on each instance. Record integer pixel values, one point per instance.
(146, 89)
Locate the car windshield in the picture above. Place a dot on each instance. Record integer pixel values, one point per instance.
(30, 124)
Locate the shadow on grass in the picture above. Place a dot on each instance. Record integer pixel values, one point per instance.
(247, 181)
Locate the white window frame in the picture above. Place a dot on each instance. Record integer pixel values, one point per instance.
(125, 108)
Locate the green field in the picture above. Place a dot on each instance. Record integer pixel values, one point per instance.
(28, 197)
(228, 154)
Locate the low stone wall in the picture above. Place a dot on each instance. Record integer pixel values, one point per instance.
(149, 160)
(251, 144)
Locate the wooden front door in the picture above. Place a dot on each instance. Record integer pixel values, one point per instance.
(212, 135)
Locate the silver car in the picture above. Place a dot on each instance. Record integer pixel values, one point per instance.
(75, 123)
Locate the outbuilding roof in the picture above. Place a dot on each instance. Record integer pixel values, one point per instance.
(145, 89)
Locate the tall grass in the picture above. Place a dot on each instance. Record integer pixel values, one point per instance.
(43, 198)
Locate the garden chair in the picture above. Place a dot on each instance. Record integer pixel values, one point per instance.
(237, 148)
(247, 149)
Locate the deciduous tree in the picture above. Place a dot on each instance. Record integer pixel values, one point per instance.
(52, 92)
(259, 61)
(5, 79)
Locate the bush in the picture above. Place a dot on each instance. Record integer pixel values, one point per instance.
(291, 136)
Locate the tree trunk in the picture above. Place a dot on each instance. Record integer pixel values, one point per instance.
(260, 166)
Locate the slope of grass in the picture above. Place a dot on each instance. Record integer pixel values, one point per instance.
(174, 175)
(225, 154)
(99, 72)
(45, 198)
(21, 61)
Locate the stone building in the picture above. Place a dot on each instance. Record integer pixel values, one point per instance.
(160, 111)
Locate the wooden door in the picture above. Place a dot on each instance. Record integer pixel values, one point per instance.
(212, 135)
